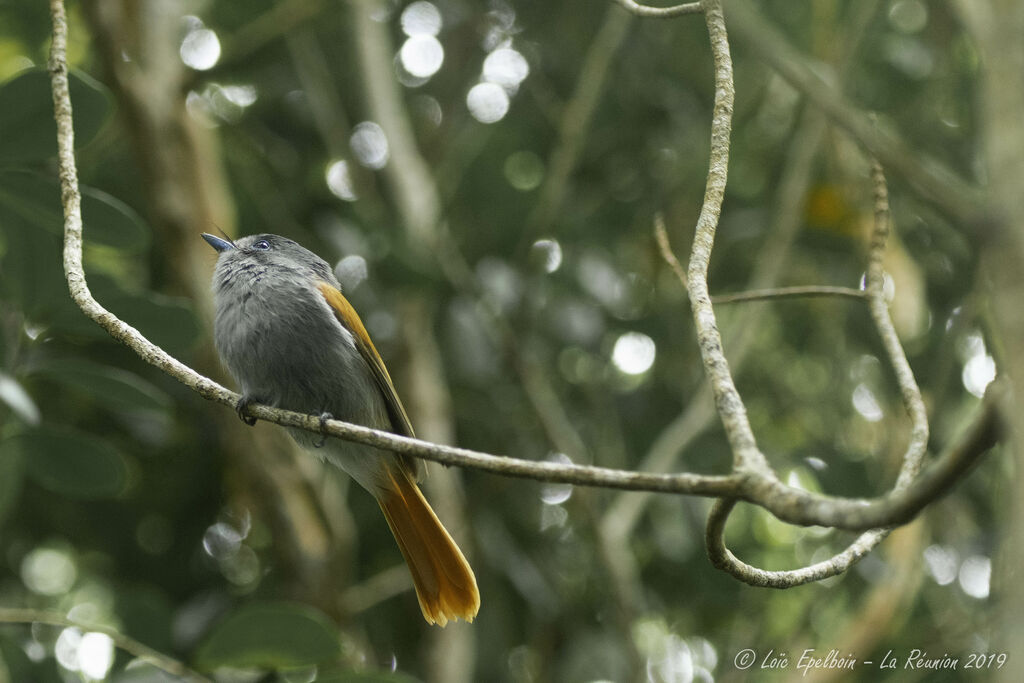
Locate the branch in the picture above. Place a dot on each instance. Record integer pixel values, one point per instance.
(621, 516)
(661, 12)
(697, 484)
(797, 506)
(665, 247)
(788, 292)
(129, 645)
(894, 505)
(723, 558)
(747, 457)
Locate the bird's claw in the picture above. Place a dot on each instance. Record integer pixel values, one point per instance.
(324, 417)
(240, 408)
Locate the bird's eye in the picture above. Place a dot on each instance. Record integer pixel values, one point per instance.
(262, 245)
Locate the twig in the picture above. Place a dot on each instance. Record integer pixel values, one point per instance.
(788, 292)
(661, 12)
(874, 286)
(901, 504)
(130, 645)
(665, 247)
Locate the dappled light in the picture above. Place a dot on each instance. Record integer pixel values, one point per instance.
(200, 48)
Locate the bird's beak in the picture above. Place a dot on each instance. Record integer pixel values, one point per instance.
(217, 243)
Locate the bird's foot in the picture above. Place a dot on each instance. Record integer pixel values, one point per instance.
(240, 408)
(324, 417)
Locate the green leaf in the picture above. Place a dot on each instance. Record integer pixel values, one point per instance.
(11, 475)
(34, 199)
(270, 636)
(68, 463)
(17, 664)
(26, 114)
(115, 387)
(30, 272)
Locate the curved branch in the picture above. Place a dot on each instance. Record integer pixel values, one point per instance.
(661, 12)
(875, 285)
(890, 511)
(907, 496)
(900, 505)
(727, 399)
(723, 558)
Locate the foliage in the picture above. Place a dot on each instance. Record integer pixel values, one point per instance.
(120, 505)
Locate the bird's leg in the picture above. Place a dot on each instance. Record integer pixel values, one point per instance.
(242, 405)
(324, 417)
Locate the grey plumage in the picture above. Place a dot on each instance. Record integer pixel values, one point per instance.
(282, 343)
(291, 339)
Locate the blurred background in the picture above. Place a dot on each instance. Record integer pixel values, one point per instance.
(483, 176)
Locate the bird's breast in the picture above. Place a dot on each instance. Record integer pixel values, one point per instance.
(285, 347)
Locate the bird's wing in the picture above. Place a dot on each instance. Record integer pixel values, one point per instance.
(349, 319)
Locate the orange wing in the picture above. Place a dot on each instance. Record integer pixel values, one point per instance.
(445, 585)
(349, 319)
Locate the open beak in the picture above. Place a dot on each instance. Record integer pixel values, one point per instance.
(217, 243)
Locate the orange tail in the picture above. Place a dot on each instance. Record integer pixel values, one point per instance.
(444, 581)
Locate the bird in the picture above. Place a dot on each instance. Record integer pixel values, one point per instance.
(289, 337)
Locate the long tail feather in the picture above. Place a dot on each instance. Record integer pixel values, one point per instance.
(444, 582)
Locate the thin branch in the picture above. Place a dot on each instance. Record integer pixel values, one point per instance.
(661, 12)
(897, 508)
(875, 286)
(723, 558)
(730, 406)
(747, 458)
(788, 292)
(665, 247)
(720, 555)
(623, 514)
(210, 390)
(129, 645)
